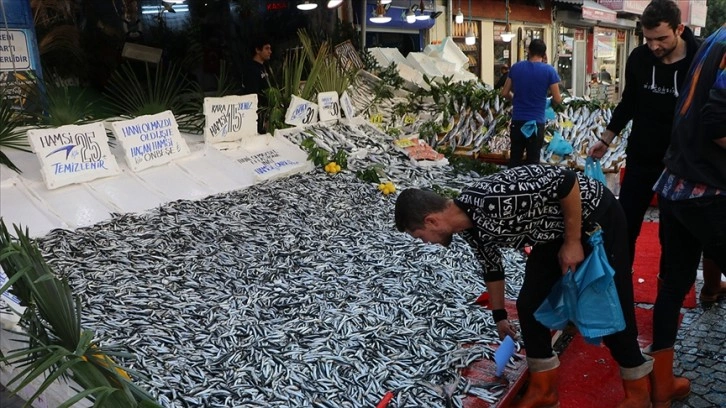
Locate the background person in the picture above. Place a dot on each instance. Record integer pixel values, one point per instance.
(692, 204)
(256, 77)
(503, 74)
(549, 208)
(527, 87)
(654, 74)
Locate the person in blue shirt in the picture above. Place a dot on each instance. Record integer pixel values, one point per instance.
(527, 87)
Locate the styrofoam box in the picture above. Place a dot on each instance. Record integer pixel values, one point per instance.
(423, 62)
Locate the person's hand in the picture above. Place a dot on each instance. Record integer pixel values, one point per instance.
(598, 150)
(505, 328)
(570, 255)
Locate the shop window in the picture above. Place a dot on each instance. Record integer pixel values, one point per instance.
(565, 54)
(502, 52)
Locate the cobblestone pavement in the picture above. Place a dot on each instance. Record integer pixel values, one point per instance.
(701, 355)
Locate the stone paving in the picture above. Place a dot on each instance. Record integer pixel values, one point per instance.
(701, 355)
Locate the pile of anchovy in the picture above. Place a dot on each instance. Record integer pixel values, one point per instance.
(292, 293)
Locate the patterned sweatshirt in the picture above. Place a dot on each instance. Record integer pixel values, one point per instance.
(521, 207)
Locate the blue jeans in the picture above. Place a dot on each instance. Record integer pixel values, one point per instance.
(636, 193)
(687, 228)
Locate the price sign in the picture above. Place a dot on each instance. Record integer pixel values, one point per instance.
(346, 104)
(301, 112)
(348, 56)
(409, 119)
(329, 105)
(376, 119)
(230, 118)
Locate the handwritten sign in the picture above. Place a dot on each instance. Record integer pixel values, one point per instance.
(269, 157)
(346, 105)
(301, 112)
(150, 140)
(230, 118)
(73, 154)
(348, 56)
(329, 105)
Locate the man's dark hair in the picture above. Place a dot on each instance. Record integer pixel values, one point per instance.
(661, 11)
(537, 47)
(413, 205)
(258, 43)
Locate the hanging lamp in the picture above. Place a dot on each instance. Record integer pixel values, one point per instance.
(421, 15)
(334, 3)
(379, 15)
(459, 19)
(410, 14)
(507, 35)
(307, 5)
(470, 38)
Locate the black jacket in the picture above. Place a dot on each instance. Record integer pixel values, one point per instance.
(649, 99)
(701, 118)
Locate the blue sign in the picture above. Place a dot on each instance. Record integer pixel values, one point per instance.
(19, 56)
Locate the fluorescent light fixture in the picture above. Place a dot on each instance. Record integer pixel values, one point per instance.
(385, 1)
(334, 3)
(175, 1)
(307, 6)
(410, 16)
(459, 19)
(470, 39)
(156, 10)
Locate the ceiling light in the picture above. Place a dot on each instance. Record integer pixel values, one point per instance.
(507, 35)
(379, 15)
(410, 16)
(334, 3)
(385, 1)
(307, 6)
(459, 19)
(470, 39)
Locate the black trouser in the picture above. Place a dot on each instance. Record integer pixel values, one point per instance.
(636, 193)
(519, 144)
(687, 227)
(543, 270)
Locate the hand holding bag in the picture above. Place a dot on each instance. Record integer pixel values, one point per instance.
(594, 170)
(586, 297)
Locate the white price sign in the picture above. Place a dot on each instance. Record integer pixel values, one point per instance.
(301, 112)
(14, 50)
(346, 104)
(329, 105)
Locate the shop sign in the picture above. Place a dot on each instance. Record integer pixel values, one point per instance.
(230, 118)
(150, 140)
(346, 105)
(73, 154)
(594, 11)
(329, 105)
(19, 56)
(627, 6)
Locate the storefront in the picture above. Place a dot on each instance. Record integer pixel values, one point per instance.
(392, 29)
(593, 42)
(487, 20)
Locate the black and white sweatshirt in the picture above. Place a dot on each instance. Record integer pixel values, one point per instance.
(521, 207)
(649, 99)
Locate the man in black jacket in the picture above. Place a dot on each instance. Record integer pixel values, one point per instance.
(692, 204)
(255, 76)
(654, 75)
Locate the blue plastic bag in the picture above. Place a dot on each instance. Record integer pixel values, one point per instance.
(503, 354)
(558, 145)
(529, 128)
(594, 170)
(587, 298)
(549, 112)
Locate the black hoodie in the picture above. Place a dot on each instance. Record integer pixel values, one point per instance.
(649, 99)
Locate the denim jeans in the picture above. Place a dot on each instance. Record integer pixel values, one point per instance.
(542, 272)
(687, 227)
(519, 143)
(636, 193)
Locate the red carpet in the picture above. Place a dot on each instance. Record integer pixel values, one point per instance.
(588, 373)
(647, 260)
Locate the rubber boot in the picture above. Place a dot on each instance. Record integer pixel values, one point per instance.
(713, 288)
(665, 387)
(636, 382)
(542, 389)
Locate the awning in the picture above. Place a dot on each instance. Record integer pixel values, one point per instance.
(578, 2)
(594, 11)
(625, 6)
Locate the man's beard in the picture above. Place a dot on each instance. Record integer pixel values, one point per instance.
(666, 52)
